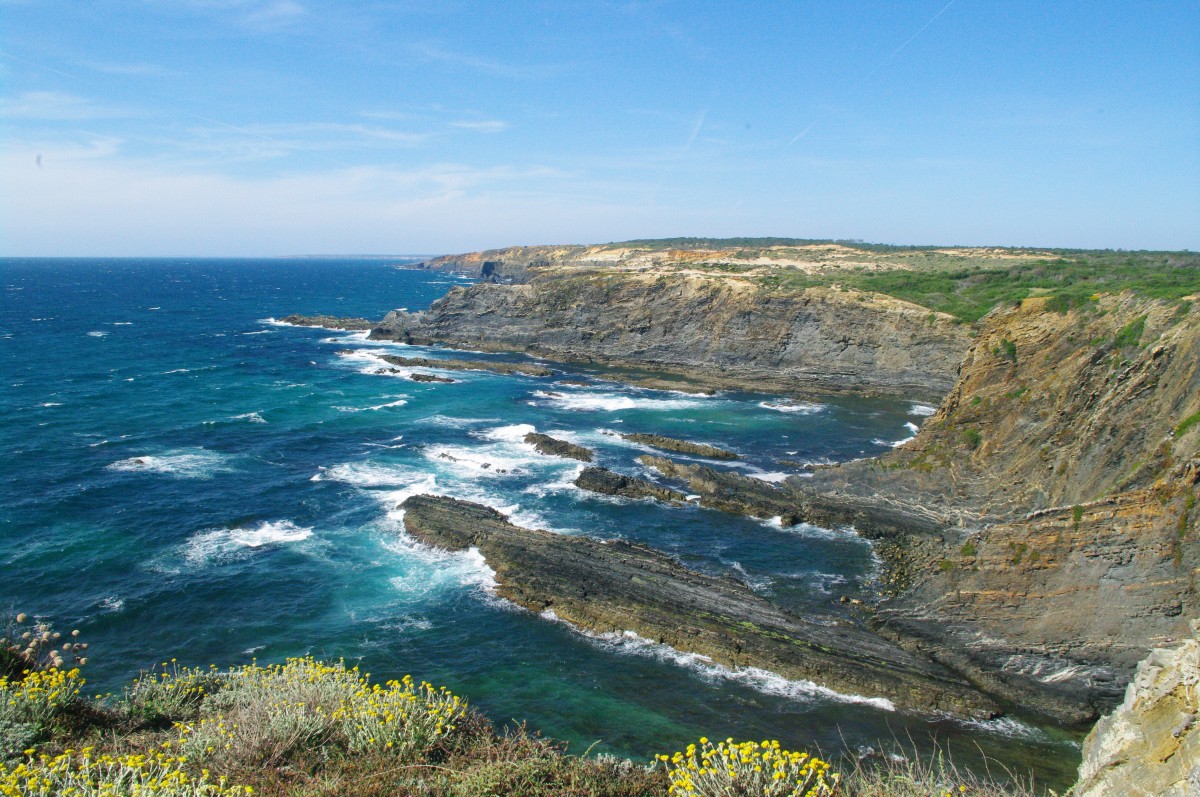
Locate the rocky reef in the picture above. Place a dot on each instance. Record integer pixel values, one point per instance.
(604, 481)
(682, 446)
(1150, 746)
(616, 586)
(552, 446)
(525, 369)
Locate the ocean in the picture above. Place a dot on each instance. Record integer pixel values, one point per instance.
(184, 477)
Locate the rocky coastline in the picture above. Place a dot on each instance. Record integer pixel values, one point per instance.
(1038, 535)
(617, 587)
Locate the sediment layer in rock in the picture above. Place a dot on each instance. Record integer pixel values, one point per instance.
(330, 322)
(682, 446)
(602, 480)
(618, 586)
(552, 446)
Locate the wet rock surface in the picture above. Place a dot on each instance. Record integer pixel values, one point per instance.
(330, 322)
(602, 480)
(619, 586)
(552, 446)
(682, 446)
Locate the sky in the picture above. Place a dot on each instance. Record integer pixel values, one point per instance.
(279, 127)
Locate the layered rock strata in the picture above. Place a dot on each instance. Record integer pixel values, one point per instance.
(1150, 746)
(682, 446)
(716, 332)
(602, 480)
(1040, 532)
(552, 446)
(525, 369)
(618, 586)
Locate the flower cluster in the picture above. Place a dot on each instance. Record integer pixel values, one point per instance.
(83, 773)
(40, 646)
(262, 714)
(39, 695)
(747, 769)
(174, 692)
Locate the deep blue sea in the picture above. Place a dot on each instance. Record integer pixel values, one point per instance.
(184, 477)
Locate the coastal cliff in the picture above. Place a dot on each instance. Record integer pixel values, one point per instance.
(1040, 532)
(713, 331)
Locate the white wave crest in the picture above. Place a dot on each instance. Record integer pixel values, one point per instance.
(628, 642)
(194, 463)
(218, 544)
(796, 407)
(97, 334)
(596, 401)
(252, 417)
(399, 401)
(921, 409)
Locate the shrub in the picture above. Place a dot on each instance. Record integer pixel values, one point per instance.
(86, 774)
(261, 715)
(747, 768)
(972, 438)
(172, 695)
(1131, 333)
(1187, 423)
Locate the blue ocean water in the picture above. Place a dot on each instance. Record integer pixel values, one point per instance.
(184, 477)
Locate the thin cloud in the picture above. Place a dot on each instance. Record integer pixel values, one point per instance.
(489, 126)
(58, 106)
(432, 51)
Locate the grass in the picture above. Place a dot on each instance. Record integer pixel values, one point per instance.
(969, 290)
(316, 729)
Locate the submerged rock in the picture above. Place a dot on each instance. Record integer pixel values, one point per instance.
(682, 446)
(330, 322)
(618, 586)
(527, 369)
(545, 444)
(421, 377)
(602, 480)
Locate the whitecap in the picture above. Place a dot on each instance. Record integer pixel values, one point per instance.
(773, 478)
(596, 401)
(112, 603)
(630, 643)
(912, 427)
(122, 323)
(225, 543)
(796, 407)
(399, 401)
(893, 443)
(190, 463)
(1003, 726)
(253, 417)
(97, 334)
(51, 404)
(921, 409)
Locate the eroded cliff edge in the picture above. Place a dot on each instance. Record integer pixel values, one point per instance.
(1040, 532)
(710, 330)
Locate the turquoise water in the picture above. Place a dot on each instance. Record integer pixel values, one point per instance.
(184, 477)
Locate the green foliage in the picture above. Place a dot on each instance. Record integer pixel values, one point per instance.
(976, 401)
(1187, 423)
(968, 287)
(1076, 514)
(968, 548)
(972, 438)
(1010, 350)
(1131, 333)
(945, 565)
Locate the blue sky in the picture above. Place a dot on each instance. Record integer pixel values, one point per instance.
(263, 127)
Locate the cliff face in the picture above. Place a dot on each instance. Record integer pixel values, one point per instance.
(718, 331)
(1150, 746)
(1057, 491)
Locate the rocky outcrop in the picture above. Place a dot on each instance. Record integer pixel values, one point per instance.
(1150, 746)
(682, 446)
(496, 367)
(1039, 534)
(329, 322)
(602, 480)
(418, 376)
(720, 332)
(552, 446)
(618, 586)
